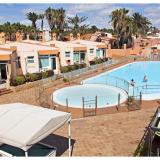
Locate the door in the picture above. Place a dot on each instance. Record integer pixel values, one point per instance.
(53, 63)
(3, 72)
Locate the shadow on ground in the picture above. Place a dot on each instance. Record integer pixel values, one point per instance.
(60, 142)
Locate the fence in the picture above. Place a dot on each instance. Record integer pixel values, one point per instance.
(88, 104)
(70, 75)
(144, 147)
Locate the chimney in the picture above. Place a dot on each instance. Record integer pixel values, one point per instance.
(27, 36)
(43, 37)
(2, 38)
(54, 36)
(78, 36)
(71, 37)
(18, 37)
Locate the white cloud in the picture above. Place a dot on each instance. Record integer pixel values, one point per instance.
(98, 14)
(152, 13)
(27, 10)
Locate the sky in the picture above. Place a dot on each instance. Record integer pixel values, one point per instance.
(98, 14)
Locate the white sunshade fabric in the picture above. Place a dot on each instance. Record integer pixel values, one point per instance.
(22, 125)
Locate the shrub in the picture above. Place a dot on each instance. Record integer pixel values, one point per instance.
(65, 79)
(39, 75)
(33, 77)
(50, 73)
(13, 82)
(70, 68)
(76, 65)
(44, 74)
(27, 77)
(64, 69)
(20, 80)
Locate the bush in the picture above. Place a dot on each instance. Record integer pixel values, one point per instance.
(64, 69)
(65, 79)
(70, 68)
(83, 65)
(13, 82)
(20, 80)
(27, 77)
(76, 65)
(50, 73)
(33, 77)
(45, 74)
(39, 75)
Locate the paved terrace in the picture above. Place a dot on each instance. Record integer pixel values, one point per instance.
(112, 134)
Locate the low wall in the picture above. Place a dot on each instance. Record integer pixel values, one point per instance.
(124, 52)
(51, 81)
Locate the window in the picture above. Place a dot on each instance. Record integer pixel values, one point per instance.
(98, 53)
(44, 61)
(67, 54)
(91, 50)
(30, 59)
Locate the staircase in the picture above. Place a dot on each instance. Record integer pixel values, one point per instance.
(5, 91)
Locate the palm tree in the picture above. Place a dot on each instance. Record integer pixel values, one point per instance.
(49, 17)
(56, 20)
(33, 17)
(141, 24)
(76, 22)
(41, 17)
(119, 20)
(125, 26)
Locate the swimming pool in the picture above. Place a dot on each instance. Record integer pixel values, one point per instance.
(122, 76)
(106, 95)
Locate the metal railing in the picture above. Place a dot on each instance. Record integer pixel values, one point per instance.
(147, 89)
(70, 75)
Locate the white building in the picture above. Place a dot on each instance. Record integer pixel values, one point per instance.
(35, 57)
(70, 53)
(94, 49)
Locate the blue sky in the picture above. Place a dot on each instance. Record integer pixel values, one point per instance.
(98, 14)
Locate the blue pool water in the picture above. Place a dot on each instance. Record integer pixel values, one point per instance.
(109, 85)
(106, 95)
(121, 77)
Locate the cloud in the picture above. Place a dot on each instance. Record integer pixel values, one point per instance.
(27, 10)
(152, 13)
(98, 14)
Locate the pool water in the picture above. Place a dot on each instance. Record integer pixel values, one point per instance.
(106, 96)
(121, 77)
(109, 85)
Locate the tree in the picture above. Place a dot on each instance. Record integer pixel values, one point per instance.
(126, 26)
(141, 24)
(55, 18)
(41, 17)
(33, 17)
(94, 28)
(76, 22)
(119, 21)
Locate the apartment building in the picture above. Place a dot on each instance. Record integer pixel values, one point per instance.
(94, 49)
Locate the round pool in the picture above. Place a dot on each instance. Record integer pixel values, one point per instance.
(75, 95)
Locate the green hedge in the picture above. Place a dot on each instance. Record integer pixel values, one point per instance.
(69, 68)
(98, 61)
(30, 77)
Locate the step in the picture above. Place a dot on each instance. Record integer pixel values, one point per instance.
(5, 91)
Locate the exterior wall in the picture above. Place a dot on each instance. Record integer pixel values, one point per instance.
(29, 67)
(124, 52)
(92, 56)
(49, 67)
